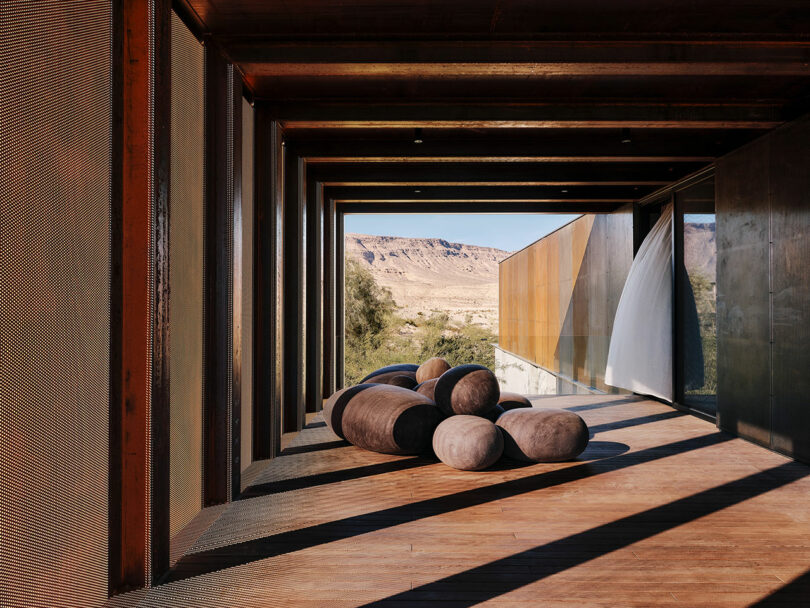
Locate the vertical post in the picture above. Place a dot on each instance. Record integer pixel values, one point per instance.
(340, 300)
(236, 289)
(293, 271)
(161, 397)
(328, 307)
(139, 306)
(220, 185)
(314, 278)
(266, 295)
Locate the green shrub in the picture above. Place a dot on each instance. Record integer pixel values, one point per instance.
(374, 336)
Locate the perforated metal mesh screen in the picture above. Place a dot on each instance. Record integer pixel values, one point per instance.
(247, 285)
(186, 275)
(55, 126)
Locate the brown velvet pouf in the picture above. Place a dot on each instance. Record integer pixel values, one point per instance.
(403, 381)
(467, 389)
(432, 368)
(427, 388)
(468, 443)
(493, 414)
(384, 375)
(511, 401)
(383, 418)
(543, 435)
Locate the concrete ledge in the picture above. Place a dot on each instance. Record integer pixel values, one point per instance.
(519, 375)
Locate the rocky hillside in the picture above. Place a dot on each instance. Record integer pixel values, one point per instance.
(700, 249)
(433, 275)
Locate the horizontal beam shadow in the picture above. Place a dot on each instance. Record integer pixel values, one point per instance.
(295, 540)
(489, 581)
(309, 481)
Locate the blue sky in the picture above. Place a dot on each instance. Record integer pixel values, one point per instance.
(509, 232)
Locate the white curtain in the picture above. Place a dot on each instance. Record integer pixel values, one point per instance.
(640, 355)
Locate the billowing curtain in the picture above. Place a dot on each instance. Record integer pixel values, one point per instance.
(640, 355)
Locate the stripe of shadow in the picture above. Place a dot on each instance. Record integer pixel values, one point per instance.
(623, 424)
(249, 551)
(796, 593)
(319, 479)
(315, 447)
(504, 575)
(600, 405)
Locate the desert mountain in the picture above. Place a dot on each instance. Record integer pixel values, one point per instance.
(433, 275)
(700, 248)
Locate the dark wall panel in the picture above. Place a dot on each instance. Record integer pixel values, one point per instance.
(247, 284)
(186, 275)
(55, 168)
(743, 303)
(790, 229)
(763, 266)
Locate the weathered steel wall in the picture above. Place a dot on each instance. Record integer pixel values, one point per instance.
(558, 296)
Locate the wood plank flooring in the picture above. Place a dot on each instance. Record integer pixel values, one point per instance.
(661, 510)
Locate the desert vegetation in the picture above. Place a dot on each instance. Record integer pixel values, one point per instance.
(705, 301)
(378, 334)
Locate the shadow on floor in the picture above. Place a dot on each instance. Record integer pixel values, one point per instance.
(309, 481)
(504, 575)
(295, 540)
(623, 424)
(794, 594)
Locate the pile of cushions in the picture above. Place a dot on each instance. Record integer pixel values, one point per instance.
(458, 412)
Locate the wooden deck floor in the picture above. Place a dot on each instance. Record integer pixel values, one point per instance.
(661, 510)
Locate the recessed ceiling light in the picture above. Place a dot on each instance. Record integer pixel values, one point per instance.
(626, 136)
(417, 191)
(417, 136)
(564, 191)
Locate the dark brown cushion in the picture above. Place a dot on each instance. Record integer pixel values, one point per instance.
(389, 371)
(511, 401)
(403, 381)
(336, 404)
(427, 388)
(383, 418)
(467, 389)
(493, 414)
(469, 443)
(432, 368)
(543, 435)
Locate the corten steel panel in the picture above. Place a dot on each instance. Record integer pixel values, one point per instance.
(186, 275)
(55, 169)
(247, 285)
(743, 306)
(790, 279)
(559, 295)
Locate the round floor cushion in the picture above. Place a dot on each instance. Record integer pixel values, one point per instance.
(384, 375)
(334, 407)
(432, 368)
(467, 389)
(493, 414)
(511, 401)
(385, 418)
(543, 435)
(427, 388)
(403, 381)
(468, 443)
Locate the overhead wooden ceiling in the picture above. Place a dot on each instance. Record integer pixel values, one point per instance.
(575, 91)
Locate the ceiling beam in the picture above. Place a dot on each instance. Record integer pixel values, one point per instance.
(530, 57)
(495, 174)
(489, 193)
(596, 115)
(456, 206)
